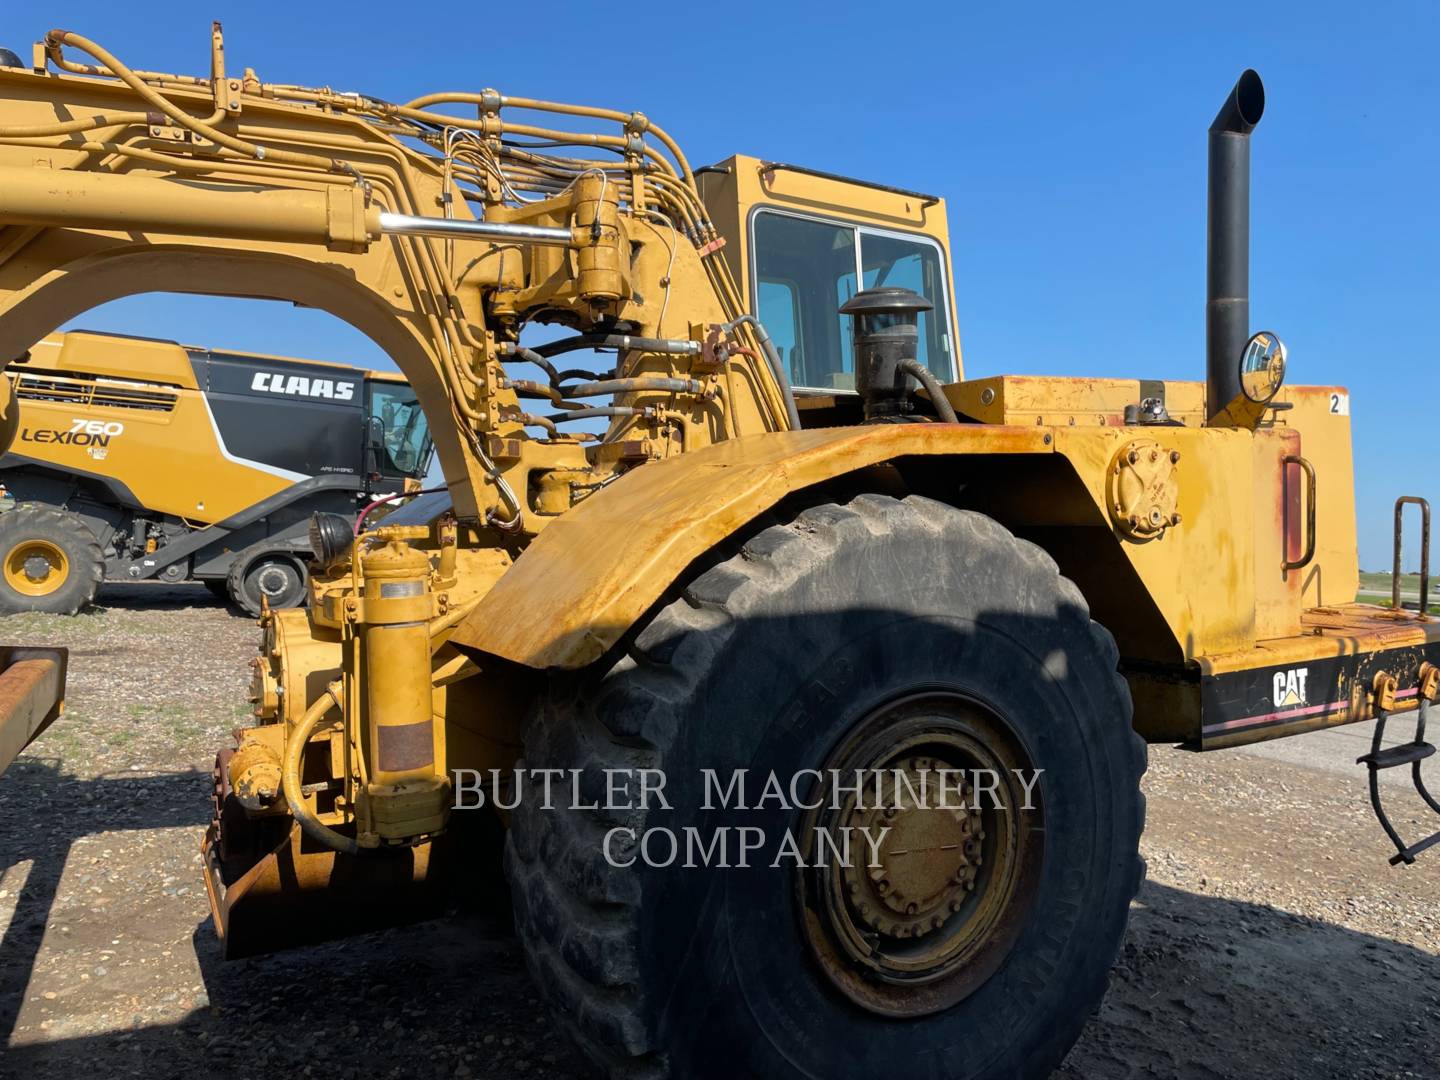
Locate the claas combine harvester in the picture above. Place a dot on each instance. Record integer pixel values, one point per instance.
(144, 460)
(884, 569)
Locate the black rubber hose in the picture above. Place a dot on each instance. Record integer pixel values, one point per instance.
(530, 356)
(943, 408)
(777, 366)
(599, 410)
(629, 386)
(672, 346)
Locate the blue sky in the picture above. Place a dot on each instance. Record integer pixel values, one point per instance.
(1067, 139)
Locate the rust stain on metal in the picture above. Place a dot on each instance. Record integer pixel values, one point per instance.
(32, 692)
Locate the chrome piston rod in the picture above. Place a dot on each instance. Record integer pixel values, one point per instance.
(410, 225)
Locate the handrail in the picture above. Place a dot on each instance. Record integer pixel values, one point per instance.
(1424, 552)
(1310, 531)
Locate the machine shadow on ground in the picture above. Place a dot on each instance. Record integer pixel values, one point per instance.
(46, 812)
(157, 596)
(1204, 987)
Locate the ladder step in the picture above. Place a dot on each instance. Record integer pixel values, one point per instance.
(1396, 756)
(1408, 855)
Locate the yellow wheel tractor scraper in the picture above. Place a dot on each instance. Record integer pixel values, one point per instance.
(804, 548)
(140, 460)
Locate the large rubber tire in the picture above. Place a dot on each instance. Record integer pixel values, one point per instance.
(49, 561)
(272, 575)
(765, 662)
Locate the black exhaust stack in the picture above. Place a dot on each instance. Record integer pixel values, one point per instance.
(1227, 298)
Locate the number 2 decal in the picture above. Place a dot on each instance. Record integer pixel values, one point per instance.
(1340, 404)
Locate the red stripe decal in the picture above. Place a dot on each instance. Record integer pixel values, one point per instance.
(1284, 714)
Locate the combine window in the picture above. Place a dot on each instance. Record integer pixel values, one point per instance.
(406, 437)
(804, 268)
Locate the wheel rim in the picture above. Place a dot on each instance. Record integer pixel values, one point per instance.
(36, 567)
(928, 919)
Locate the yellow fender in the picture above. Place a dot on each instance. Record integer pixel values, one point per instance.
(591, 574)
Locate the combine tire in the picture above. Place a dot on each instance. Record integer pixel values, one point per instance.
(49, 561)
(898, 638)
(271, 576)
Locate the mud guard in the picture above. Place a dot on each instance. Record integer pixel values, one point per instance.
(568, 599)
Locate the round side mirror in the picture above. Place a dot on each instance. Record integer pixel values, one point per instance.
(1262, 367)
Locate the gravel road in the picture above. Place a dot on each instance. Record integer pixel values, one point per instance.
(1271, 941)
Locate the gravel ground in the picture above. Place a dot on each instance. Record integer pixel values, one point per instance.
(1271, 941)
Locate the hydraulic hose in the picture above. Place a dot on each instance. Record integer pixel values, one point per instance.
(72, 127)
(559, 395)
(360, 521)
(678, 347)
(942, 404)
(529, 356)
(777, 367)
(556, 377)
(56, 38)
(300, 734)
(599, 410)
(629, 386)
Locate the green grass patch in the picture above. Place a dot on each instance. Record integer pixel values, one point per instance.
(1376, 586)
(1380, 579)
(38, 628)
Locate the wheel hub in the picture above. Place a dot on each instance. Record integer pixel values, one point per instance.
(922, 921)
(272, 581)
(36, 567)
(930, 856)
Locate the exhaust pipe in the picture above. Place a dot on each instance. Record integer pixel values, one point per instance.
(1227, 296)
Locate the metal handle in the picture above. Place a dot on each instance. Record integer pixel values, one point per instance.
(1424, 552)
(1309, 470)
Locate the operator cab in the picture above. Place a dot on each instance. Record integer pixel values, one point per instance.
(397, 437)
(810, 241)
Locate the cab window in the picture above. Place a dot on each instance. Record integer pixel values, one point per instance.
(805, 268)
(405, 435)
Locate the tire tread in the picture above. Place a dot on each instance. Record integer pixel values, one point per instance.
(571, 907)
(64, 525)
